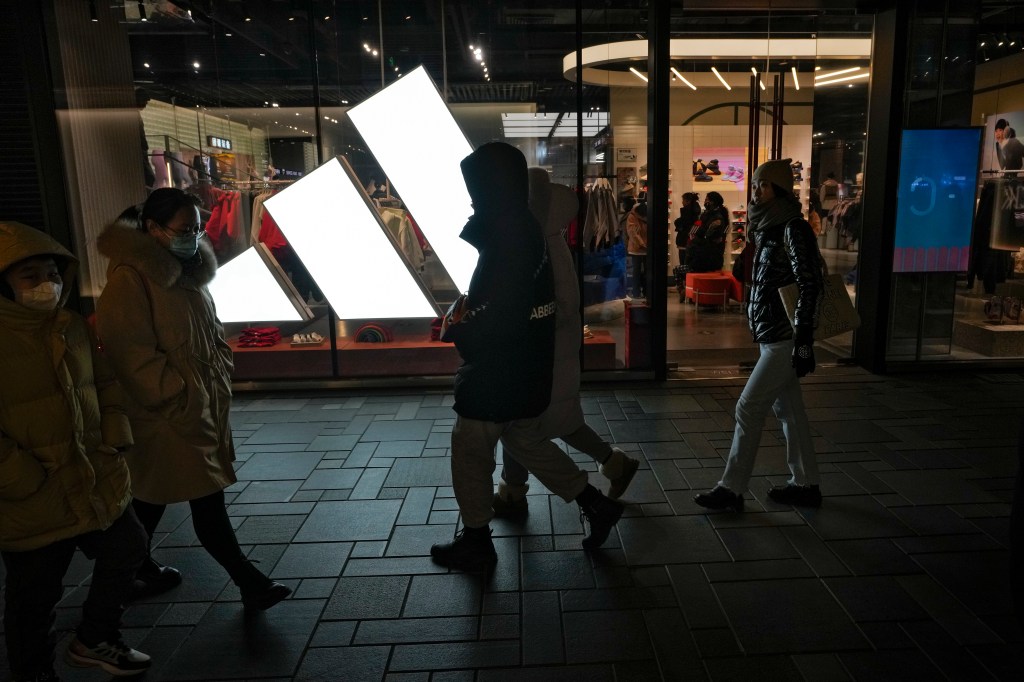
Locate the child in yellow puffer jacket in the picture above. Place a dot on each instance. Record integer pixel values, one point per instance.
(63, 482)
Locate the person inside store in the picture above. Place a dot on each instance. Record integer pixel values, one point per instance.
(705, 251)
(64, 483)
(554, 206)
(1009, 150)
(636, 247)
(785, 251)
(158, 326)
(689, 213)
(504, 331)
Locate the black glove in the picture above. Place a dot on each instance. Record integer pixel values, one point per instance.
(803, 351)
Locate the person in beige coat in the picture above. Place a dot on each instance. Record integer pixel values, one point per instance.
(554, 206)
(157, 322)
(63, 480)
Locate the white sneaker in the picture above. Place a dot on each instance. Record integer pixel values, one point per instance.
(113, 657)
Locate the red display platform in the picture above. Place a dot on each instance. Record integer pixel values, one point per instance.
(712, 288)
(281, 361)
(599, 351)
(394, 358)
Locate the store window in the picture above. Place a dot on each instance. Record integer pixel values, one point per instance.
(748, 88)
(958, 265)
(331, 196)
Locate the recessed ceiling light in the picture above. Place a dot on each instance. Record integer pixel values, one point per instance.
(145, 64)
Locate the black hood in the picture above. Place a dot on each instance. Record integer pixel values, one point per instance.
(496, 178)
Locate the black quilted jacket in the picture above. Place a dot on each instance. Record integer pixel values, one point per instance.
(783, 254)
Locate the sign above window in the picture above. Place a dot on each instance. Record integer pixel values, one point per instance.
(221, 142)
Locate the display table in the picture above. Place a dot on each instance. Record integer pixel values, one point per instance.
(712, 288)
(280, 361)
(396, 358)
(992, 340)
(599, 351)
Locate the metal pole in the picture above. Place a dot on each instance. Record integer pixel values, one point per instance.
(444, 58)
(780, 83)
(380, 36)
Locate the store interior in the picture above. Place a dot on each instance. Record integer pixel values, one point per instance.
(240, 102)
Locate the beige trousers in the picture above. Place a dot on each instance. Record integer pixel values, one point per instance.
(473, 443)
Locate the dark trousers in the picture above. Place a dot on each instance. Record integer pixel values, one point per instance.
(35, 584)
(213, 528)
(639, 275)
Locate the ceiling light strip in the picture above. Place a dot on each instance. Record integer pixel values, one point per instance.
(840, 80)
(824, 76)
(715, 71)
(680, 77)
(796, 79)
(639, 75)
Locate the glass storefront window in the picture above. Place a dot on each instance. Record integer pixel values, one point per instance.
(787, 85)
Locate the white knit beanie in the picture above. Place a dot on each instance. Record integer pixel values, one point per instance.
(776, 172)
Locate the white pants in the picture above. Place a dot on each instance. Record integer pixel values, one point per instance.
(772, 385)
(473, 443)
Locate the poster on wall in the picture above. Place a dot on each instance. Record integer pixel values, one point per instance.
(1001, 206)
(935, 199)
(718, 166)
(1003, 149)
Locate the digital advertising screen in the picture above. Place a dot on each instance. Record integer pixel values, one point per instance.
(937, 185)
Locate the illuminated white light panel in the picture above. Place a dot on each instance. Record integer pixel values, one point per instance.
(245, 290)
(339, 237)
(419, 146)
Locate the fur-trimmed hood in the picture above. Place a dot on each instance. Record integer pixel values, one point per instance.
(136, 249)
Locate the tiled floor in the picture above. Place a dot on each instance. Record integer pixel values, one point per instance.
(902, 574)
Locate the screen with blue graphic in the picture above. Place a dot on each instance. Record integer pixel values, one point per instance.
(935, 213)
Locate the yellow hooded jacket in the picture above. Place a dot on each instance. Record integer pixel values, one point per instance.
(61, 415)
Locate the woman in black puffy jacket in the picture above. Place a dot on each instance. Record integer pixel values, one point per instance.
(785, 251)
(706, 250)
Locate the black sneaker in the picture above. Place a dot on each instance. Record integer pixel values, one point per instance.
(472, 550)
(263, 599)
(720, 497)
(796, 495)
(602, 513)
(153, 578)
(510, 509)
(114, 657)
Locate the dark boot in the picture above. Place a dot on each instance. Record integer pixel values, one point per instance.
(600, 512)
(153, 578)
(472, 550)
(796, 495)
(720, 497)
(258, 591)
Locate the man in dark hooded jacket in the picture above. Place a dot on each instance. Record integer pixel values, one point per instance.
(506, 338)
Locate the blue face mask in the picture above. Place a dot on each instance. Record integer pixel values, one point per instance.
(184, 246)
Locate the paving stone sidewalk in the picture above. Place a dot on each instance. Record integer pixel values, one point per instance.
(902, 574)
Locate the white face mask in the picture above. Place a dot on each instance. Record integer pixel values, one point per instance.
(43, 297)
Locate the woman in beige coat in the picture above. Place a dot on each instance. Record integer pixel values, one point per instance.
(159, 328)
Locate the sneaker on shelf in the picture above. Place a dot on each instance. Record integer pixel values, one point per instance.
(113, 657)
(720, 497)
(472, 550)
(601, 514)
(796, 495)
(737, 177)
(712, 168)
(731, 171)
